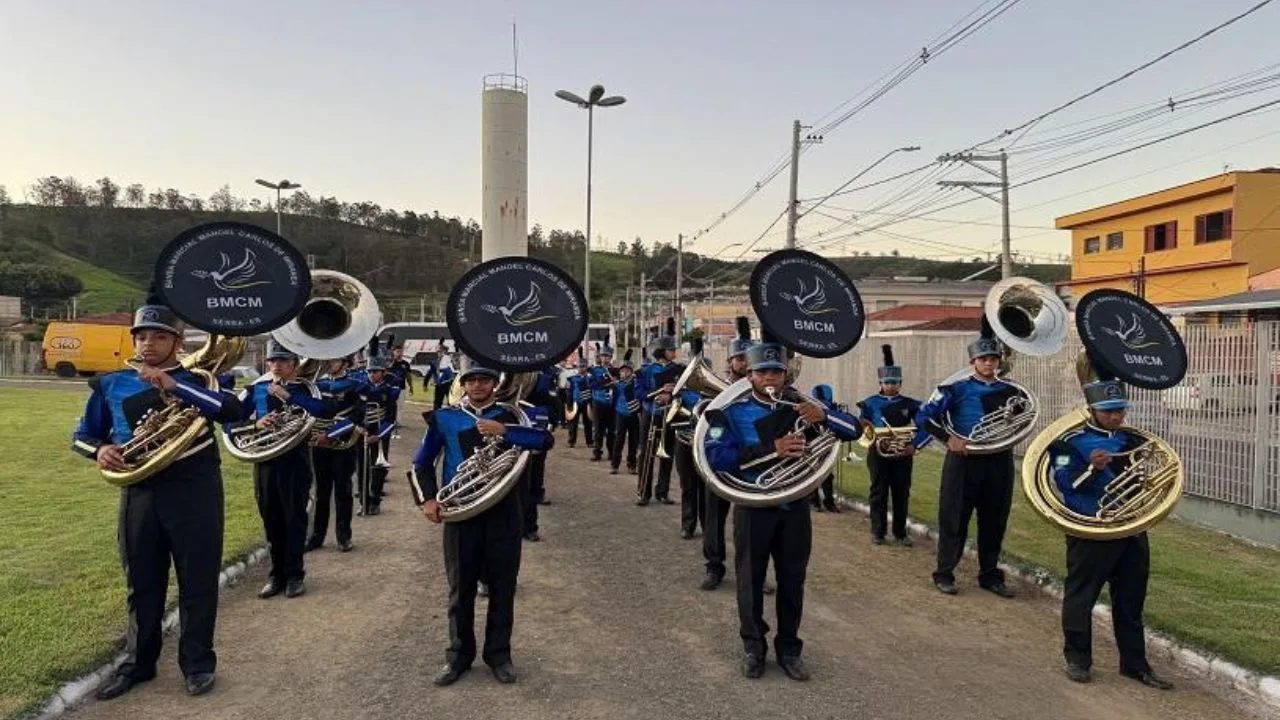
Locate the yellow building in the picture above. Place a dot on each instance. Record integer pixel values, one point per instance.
(1198, 241)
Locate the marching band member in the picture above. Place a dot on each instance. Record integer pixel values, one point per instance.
(378, 392)
(444, 375)
(282, 484)
(176, 513)
(825, 395)
(716, 508)
(543, 411)
(626, 412)
(400, 372)
(659, 374)
(579, 390)
(486, 546)
(601, 384)
(1085, 461)
(693, 491)
(969, 482)
(746, 437)
(892, 475)
(334, 467)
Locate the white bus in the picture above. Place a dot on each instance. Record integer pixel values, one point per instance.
(421, 340)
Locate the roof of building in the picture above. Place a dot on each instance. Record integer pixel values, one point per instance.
(923, 313)
(1213, 185)
(951, 324)
(1251, 300)
(119, 318)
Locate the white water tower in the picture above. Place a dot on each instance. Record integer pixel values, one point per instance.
(505, 166)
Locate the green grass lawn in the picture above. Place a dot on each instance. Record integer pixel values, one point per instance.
(61, 586)
(1206, 589)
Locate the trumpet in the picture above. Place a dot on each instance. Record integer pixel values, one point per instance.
(887, 441)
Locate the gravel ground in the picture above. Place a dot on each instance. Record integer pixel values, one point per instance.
(610, 623)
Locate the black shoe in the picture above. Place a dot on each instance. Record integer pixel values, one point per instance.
(199, 683)
(532, 536)
(543, 501)
(573, 444)
(313, 544)
(296, 587)
(906, 541)
(448, 675)
(711, 581)
(768, 588)
(504, 672)
(686, 534)
(794, 668)
(1148, 678)
(877, 540)
(1079, 674)
(666, 501)
(115, 686)
(642, 503)
(999, 588)
(946, 587)
(595, 458)
(374, 510)
(818, 508)
(753, 666)
(613, 471)
(633, 470)
(345, 546)
(832, 508)
(271, 589)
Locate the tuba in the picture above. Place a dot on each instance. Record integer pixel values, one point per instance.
(335, 321)
(1028, 318)
(889, 442)
(494, 468)
(824, 319)
(1152, 478)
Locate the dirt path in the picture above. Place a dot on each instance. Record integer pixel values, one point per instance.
(610, 624)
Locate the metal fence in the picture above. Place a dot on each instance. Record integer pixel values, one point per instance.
(1223, 419)
(20, 357)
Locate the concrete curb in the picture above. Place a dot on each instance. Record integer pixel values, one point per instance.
(76, 691)
(1229, 679)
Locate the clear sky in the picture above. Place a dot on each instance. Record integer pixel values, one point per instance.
(380, 100)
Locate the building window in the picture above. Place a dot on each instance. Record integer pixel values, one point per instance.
(1115, 241)
(1162, 237)
(1213, 227)
(1091, 245)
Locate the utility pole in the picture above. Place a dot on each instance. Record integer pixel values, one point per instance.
(677, 310)
(793, 203)
(626, 330)
(422, 308)
(1142, 277)
(644, 308)
(1002, 182)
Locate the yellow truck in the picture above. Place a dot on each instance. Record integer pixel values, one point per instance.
(85, 349)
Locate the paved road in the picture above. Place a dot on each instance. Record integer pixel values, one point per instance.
(610, 624)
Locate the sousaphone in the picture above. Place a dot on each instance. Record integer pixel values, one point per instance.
(1128, 339)
(809, 305)
(516, 315)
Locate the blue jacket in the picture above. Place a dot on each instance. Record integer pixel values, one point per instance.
(888, 410)
(451, 431)
(964, 402)
(445, 373)
(387, 397)
(343, 395)
(653, 376)
(117, 401)
(598, 380)
(1069, 456)
(623, 393)
(257, 402)
(578, 389)
(741, 435)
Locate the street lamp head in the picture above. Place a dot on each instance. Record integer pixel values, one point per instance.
(286, 185)
(596, 92)
(570, 97)
(611, 101)
(264, 183)
(912, 148)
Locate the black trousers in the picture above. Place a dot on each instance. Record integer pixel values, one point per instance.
(974, 482)
(660, 467)
(715, 513)
(281, 487)
(485, 547)
(784, 533)
(333, 469)
(178, 514)
(604, 428)
(889, 476)
(587, 430)
(626, 431)
(1123, 564)
(442, 392)
(693, 490)
(827, 489)
(532, 490)
(370, 486)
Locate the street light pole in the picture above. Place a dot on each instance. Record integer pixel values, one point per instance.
(282, 185)
(595, 98)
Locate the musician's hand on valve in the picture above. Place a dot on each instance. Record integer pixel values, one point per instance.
(909, 450)
(1099, 459)
(110, 458)
(491, 427)
(811, 413)
(266, 421)
(431, 509)
(277, 391)
(157, 377)
(789, 446)
(956, 445)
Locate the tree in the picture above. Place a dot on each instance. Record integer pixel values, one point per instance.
(108, 193)
(4, 197)
(135, 195)
(47, 191)
(38, 283)
(224, 202)
(622, 247)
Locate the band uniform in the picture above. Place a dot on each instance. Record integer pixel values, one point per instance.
(334, 467)
(890, 476)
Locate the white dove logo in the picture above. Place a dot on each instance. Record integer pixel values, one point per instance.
(525, 312)
(231, 278)
(1132, 335)
(810, 302)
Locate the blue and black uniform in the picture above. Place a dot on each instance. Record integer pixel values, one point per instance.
(335, 467)
(579, 391)
(444, 377)
(651, 379)
(1123, 564)
(969, 482)
(400, 375)
(177, 514)
(282, 485)
(741, 441)
(485, 547)
(600, 381)
(543, 410)
(693, 491)
(715, 511)
(626, 424)
(889, 476)
(373, 476)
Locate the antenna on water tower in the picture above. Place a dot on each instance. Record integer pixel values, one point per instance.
(515, 50)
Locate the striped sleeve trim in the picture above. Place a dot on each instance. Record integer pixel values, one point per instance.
(199, 396)
(88, 449)
(833, 419)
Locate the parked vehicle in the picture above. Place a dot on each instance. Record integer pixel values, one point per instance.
(85, 349)
(1212, 392)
